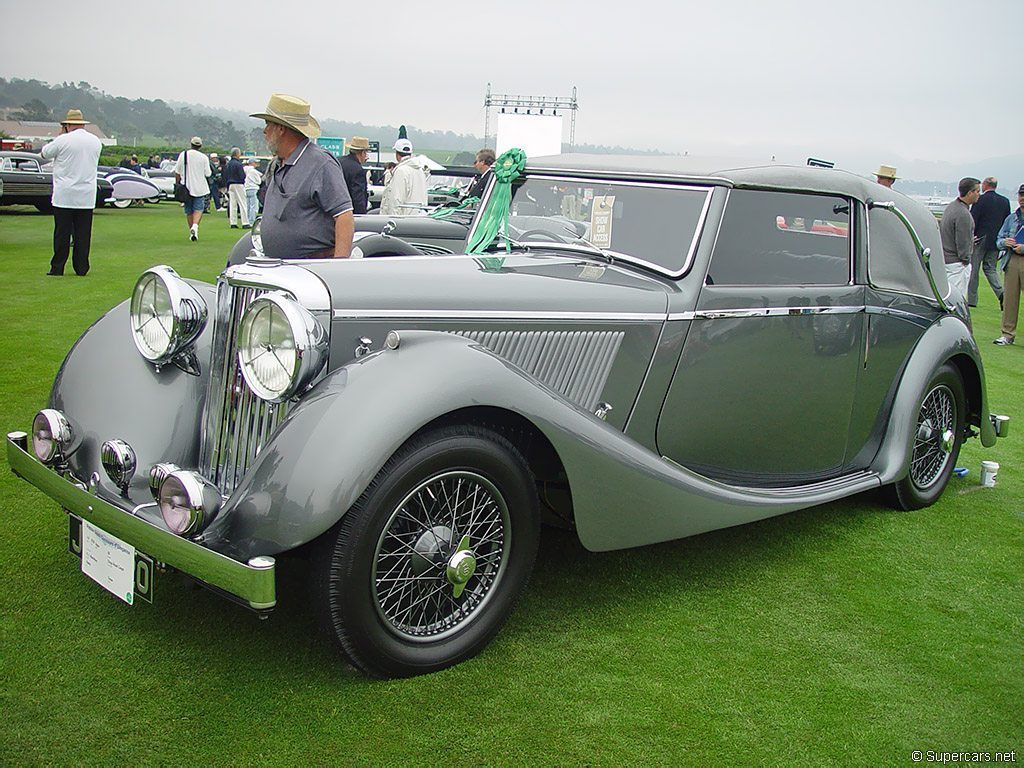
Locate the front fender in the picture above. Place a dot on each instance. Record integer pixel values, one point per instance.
(107, 390)
(948, 339)
(336, 440)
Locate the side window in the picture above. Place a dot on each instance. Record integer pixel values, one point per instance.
(782, 238)
(893, 263)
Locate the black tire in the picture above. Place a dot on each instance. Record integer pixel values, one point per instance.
(388, 576)
(46, 207)
(942, 410)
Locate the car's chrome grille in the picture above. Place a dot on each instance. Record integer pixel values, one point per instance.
(237, 423)
(575, 364)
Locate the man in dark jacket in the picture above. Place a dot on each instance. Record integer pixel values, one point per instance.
(484, 161)
(355, 174)
(989, 214)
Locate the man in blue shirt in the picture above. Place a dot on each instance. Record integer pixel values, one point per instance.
(1010, 240)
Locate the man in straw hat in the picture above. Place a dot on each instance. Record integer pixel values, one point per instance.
(75, 154)
(307, 213)
(355, 174)
(886, 175)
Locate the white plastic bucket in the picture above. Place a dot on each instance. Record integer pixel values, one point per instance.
(989, 470)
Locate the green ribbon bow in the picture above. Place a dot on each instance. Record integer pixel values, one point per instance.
(494, 217)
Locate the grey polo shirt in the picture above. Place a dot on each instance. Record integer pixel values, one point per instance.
(957, 231)
(304, 195)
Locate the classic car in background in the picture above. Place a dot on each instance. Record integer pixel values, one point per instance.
(653, 351)
(27, 180)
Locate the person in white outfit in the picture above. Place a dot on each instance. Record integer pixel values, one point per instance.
(75, 155)
(193, 170)
(407, 190)
(253, 179)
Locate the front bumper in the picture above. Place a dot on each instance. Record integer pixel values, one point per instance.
(252, 583)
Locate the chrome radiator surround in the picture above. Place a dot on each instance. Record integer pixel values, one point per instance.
(236, 423)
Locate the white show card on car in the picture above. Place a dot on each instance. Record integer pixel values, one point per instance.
(108, 561)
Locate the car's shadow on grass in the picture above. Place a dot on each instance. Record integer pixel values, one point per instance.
(568, 581)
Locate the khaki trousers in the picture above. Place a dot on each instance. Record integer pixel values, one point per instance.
(1012, 281)
(237, 205)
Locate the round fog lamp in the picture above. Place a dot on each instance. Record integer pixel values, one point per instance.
(157, 475)
(51, 436)
(188, 502)
(118, 459)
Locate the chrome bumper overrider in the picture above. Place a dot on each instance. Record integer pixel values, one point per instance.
(252, 584)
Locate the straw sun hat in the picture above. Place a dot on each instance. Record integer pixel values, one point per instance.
(74, 117)
(291, 112)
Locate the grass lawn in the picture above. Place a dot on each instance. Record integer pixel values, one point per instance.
(848, 633)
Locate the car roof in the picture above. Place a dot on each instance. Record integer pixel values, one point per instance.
(725, 171)
(21, 155)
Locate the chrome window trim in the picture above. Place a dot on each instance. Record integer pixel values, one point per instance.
(494, 314)
(653, 183)
(721, 314)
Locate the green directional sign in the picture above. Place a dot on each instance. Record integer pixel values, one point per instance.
(333, 144)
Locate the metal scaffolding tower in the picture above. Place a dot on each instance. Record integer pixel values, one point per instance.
(528, 105)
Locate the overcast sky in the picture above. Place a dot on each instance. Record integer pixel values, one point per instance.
(856, 82)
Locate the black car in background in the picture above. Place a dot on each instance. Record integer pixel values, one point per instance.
(27, 179)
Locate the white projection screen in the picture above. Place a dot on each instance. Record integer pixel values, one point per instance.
(536, 135)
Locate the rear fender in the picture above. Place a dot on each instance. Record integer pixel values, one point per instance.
(947, 340)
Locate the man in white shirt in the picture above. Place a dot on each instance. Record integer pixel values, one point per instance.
(407, 190)
(75, 155)
(193, 170)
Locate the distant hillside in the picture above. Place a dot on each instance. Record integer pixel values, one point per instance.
(138, 120)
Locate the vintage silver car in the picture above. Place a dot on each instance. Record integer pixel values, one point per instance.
(679, 348)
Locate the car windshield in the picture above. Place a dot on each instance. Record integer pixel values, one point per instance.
(651, 224)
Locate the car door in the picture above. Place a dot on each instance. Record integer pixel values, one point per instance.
(764, 388)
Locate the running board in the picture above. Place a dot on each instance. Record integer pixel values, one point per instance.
(825, 490)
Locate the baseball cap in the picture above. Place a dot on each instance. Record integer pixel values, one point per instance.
(1021, 190)
(403, 147)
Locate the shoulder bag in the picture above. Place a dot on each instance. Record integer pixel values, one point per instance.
(181, 193)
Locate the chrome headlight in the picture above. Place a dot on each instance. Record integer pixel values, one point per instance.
(167, 314)
(281, 347)
(188, 502)
(52, 436)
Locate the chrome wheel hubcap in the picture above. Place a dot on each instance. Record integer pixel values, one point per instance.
(441, 556)
(934, 440)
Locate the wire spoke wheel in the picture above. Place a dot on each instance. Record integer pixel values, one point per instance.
(939, 427)
(426, 566)
(934, 439)
(441, 555)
